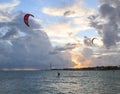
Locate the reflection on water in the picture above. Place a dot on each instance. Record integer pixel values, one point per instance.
(69, 82)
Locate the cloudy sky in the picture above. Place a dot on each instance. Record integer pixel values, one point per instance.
(64, 33)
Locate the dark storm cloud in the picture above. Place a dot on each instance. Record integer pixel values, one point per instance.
(109, 11)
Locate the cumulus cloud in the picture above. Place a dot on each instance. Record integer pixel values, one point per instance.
(107, 24)
(26, 47)
(109, 28)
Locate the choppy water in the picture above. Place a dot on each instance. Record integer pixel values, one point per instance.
(70, 82)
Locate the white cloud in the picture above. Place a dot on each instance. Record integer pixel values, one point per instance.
(6, 10)
(65, 31)
(77, 9)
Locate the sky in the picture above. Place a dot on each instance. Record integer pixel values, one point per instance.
(62, 33)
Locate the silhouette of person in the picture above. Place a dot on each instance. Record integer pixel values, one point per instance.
(58, 75)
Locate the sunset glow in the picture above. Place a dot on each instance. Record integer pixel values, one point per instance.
(78, 64)
(19, 69)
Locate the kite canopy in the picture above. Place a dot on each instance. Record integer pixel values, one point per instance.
(93, 40)
(26, 17)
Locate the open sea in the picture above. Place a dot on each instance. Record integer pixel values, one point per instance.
(69, 82)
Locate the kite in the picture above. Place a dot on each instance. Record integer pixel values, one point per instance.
(93, 40)
(26, 17)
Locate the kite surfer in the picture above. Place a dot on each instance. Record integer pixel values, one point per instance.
(58, 74)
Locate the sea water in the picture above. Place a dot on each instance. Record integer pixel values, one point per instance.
(69, 82)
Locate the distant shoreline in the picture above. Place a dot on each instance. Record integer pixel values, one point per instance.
(97, 68)
(92, 68)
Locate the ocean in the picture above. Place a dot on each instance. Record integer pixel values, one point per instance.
(69, 82)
